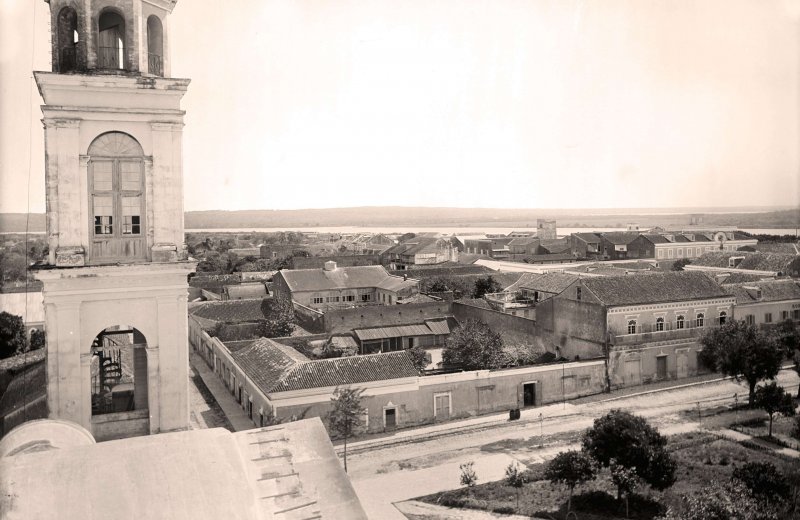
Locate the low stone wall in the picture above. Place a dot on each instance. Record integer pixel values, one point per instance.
(515, 330)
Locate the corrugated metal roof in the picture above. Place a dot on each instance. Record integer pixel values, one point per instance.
(393, 332)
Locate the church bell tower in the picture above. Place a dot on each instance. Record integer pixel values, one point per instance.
(115, 283)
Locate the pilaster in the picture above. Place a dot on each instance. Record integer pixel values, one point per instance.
(153, 388)
(173, 353)
(66, 383)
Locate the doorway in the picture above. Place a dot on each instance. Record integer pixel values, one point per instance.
(632, 372)
(441, 407)
(683, 365)
(390, 418)
(529, 394)
(661, 367)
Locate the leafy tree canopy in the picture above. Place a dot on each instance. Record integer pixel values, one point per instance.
(278, 317)
(741, 351)
(419, 357)
(12, 335)
(763, 480)
(722, 501)
(474, 346)
(485, 286)
(772, 398)
(632, 443)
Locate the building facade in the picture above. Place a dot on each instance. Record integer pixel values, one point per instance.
(334, 287)
(115, 284)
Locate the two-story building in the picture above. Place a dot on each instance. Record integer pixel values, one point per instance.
(493, 247)
(585, 245)
(420, 250)
(335, 287)
(766, 303)
(649, 325)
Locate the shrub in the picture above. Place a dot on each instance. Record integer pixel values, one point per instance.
(468, 475)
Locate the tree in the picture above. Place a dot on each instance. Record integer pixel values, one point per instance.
(12, 335)
(345, 417)
(630, 442)
(473, 346)
(570, 468)
(763, 480)
(772, 398)
(485, 286)
(38, 339)
(278, 317)
(515, 477)
(419, 358)
(679, 264)
(788, 338)
(741, 351)
(12, 267)
(468, 475)
(626, 481)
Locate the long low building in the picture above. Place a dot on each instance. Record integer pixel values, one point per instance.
(271, 380)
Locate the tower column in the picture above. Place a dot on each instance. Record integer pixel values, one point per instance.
(172, 352)
(65, 383)
(153, 388)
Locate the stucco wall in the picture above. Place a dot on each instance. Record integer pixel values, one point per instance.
(577, 328)
(515, 330)
(470, 393)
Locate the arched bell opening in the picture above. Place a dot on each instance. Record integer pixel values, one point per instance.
(119, 371)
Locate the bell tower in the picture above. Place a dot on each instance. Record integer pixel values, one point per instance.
(115, 283)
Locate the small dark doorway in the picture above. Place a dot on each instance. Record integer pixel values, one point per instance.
(390, 415)
(661, 367)
(529, 394)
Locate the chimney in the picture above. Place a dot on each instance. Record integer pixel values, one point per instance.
(330, 265)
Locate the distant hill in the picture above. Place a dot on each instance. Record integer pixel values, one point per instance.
(453, 217)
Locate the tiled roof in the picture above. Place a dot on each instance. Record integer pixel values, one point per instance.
(231, 311)
(558, 245)
(548, 282)
(680, 238)
(657, 239)
(274, 367)
(590, 238)
(653, 288)
(737, 277)
(419, 244)
(363, 276)
(757, 261)
(620, 237)
(771, 291)
(266, 361)
(346, 371)
(416, 298)
(778, 247)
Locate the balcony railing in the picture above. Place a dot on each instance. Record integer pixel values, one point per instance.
(155, 64)
(647, 332)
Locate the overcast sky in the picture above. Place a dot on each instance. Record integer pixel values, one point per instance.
(485, 103)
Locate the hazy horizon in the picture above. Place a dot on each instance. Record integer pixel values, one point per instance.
(591, 104)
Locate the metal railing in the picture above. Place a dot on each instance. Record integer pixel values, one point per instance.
(155, 64)
(666, 331)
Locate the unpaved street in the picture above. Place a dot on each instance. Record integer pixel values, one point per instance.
(385, 475)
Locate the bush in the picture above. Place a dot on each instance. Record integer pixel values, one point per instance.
(764, 480)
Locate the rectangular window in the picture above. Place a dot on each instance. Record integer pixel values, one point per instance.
(130, 176)
(784, 315)
(366, 297)
(318, 299)
(796, 314)
(680, 252)
(750, 319)
(131, 218)
(103, 215)
(661, 253)
(768, 317)
(102, 176)
(349, 298)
